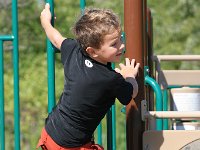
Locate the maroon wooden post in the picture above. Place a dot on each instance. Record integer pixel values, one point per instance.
(133, 21)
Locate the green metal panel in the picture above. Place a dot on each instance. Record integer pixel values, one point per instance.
(51, 66)
(16, 75)
(2, 114)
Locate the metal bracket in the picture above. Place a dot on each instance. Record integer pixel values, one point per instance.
(143, 109)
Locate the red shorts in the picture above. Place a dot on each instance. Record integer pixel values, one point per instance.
(47, 143)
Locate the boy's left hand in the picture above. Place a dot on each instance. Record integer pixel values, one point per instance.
(45, 16)
(129, 69)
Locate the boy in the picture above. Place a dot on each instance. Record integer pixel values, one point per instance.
(91, 85)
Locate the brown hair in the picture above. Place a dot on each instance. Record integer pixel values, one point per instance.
(93, 25)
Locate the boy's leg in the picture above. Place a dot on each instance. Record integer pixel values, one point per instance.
(42, 141)
(47, 143)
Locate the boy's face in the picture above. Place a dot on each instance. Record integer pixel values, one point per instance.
(112, 48)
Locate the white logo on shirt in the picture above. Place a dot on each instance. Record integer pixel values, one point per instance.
(88, 63)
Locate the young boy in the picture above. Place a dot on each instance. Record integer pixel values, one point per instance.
(91, 86)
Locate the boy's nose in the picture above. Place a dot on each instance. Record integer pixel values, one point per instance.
(122, 46)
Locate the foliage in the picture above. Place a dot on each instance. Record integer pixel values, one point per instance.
(176, 31)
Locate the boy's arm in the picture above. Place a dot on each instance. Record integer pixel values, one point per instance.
(53, 34)
(129, 72)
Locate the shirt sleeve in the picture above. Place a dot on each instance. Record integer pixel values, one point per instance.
(67, 47)
(123, 90)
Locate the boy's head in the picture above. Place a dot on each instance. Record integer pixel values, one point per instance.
(94, 25)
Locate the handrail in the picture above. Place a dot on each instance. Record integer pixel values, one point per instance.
(158, 93)
(177, 57)
(173, 114)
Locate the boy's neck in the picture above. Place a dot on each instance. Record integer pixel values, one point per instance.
(98, 60)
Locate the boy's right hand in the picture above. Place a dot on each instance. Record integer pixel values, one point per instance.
(129, 69)
(45, 16)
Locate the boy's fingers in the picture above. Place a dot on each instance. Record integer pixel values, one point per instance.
(47, 6)
(137, 66)
(127, 62)
(121, 65)
(117, 70)
(132, 62)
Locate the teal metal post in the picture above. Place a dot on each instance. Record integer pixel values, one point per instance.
(113, 111)
(158, 93)
(2, 114)
(165, 108)
(16, 75)
(82, 6)
(109, 129)
(51, 65)
(99, 133)
(113, 127)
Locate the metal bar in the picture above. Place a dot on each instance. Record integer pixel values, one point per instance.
(133, 25)
(173, 114)
(177, 57)
(51, 66)
(159, 104)
(99, 133)
(113, 127)
(109, 129)
(6, 37)
(16, 75)
(82, 6)
(2, 113)
(113, 111)
(165, 108)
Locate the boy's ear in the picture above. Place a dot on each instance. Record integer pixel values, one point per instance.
(91, 51)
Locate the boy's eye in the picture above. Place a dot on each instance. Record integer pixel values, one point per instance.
(114, 44)
(121, 39)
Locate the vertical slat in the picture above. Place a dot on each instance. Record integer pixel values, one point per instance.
(109, 129)
(165, 108)
(113, 111)
(99, 133)
(113, 127)
(82, 6)
(2, 114)
(51, 66)
(16, 75)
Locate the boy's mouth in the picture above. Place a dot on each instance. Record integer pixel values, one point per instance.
(119, 54)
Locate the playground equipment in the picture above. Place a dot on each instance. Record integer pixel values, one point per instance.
(147, 128)
(155, 134)
(181, 124)
(14, 38)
